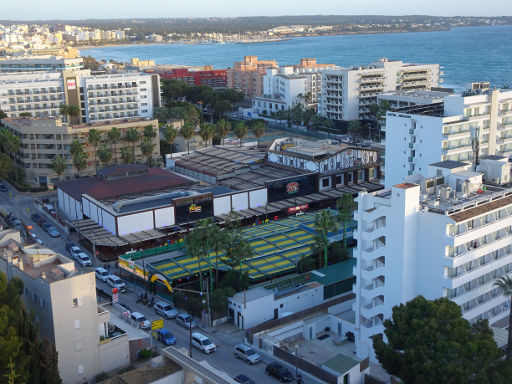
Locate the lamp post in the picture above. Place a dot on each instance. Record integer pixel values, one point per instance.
(296, 360)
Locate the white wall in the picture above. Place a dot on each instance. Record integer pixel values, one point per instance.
(109, 222)
(71, 208)
(240, 201)
(258, 198)
(135, 223)
(164, 217)
(221, 205)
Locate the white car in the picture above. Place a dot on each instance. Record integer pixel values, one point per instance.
(141, 320)
(203, 343)
(101, 273)
(116, 282)
(36, 239)
(83, 260)
(75, 250)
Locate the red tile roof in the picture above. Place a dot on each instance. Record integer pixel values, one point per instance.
(99, 189)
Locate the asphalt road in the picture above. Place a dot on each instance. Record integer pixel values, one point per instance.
(22, 205)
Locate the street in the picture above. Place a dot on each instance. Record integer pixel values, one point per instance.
(22, 205)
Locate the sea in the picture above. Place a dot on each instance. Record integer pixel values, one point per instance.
(466, 54)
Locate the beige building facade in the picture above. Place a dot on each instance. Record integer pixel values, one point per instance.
(44, 138)
(247, 76)
(63, 301)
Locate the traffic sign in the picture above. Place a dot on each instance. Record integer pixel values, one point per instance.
(114, 290)
(115, 298)
(157, 324)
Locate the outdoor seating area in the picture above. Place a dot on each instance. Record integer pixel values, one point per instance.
(277, 246)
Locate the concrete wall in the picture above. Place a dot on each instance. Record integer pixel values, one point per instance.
(114, 354)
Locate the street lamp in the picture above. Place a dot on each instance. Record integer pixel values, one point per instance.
(296, 360)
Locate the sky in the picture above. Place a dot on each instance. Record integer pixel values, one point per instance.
(101, 9)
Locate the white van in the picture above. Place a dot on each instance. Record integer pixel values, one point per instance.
(101, 273)
(83, 260)
(203, 343)
(116, 282)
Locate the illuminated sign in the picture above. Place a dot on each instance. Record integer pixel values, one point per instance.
(292, 187)
(71, 84)
(194, 208)
(298, 208)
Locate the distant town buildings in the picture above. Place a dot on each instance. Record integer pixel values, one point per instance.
(45, 137)
(63, 300)
(39, 63)
(456, 126)
(214, 78)
(348, 92)
(99, 97)
(247, 76)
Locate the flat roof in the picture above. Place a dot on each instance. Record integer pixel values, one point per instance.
(341, 363)
(335, 272)
(481, 209)
(100, 189)
(449, 164)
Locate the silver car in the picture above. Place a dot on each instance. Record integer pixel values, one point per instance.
(185, 320)
(246, 353)
(165, 309)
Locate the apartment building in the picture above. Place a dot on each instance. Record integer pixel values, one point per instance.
(348, 92)
(99, 97)
(288, 85)
(214, 78)
(247, 76)
(63, 300)
(463, 127)
(40, 63)
(447, 235)
(44, 138)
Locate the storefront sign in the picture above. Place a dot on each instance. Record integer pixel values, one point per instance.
(71, 84)
(292, 187)
(298, 208)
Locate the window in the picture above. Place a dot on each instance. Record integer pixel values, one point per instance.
(360, 175)
(339, 179)
(75, 302)
(80, 369)
(326, 182)
(78, 346)
(77, 324)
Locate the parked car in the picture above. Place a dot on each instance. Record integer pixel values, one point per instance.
(83, 260)
(116, 282)
(69, 245)
(165, 309)
(185, 320)
(48, 207)
(166, 337)
(124, 306)
(45, 226)
(101, 273)
(36, 217)
(244, 352)
(52, 231)
(203, 343)
(36, 239)
(75, 250)
(243, 379)
(141, 320)
(3, 188)
(279, 372)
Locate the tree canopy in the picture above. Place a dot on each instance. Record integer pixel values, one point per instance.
(430, 342)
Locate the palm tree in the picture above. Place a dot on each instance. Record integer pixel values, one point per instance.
(223, 127)
(132, 136)
(59, 165)
(170, 134)
(241, 131)
(237, 251)
(69, 111)
(146, 147)
(346, 207)
(219, 238)
(324, 223)
(11, 145)
(354, 127)
(80, 162)
(187, 131)
(113, 136)
(193, 246)
(258, 130)
(505, 283)
(105, 154)
(5, 165)
(149, 131)
(204, 132)
(127, 155)
(94, 138)
(75, 148)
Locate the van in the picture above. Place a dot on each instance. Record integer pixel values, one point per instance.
(140, 320)
(101, 273)
(203, 343)
(116, 282)
(83, 260)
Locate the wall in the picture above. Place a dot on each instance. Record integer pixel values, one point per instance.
(114, 354)
(135, 223)
(239, 200)
(255, 312)
(71, 208)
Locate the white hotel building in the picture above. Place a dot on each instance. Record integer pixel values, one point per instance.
(99, 97)
(347, 92)
(418, 135)
(448, 235)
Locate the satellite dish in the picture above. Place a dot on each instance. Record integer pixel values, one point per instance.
(311, 166)
(272, 157)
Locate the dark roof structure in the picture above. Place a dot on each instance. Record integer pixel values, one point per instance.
(124, 180)
(449, 164)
